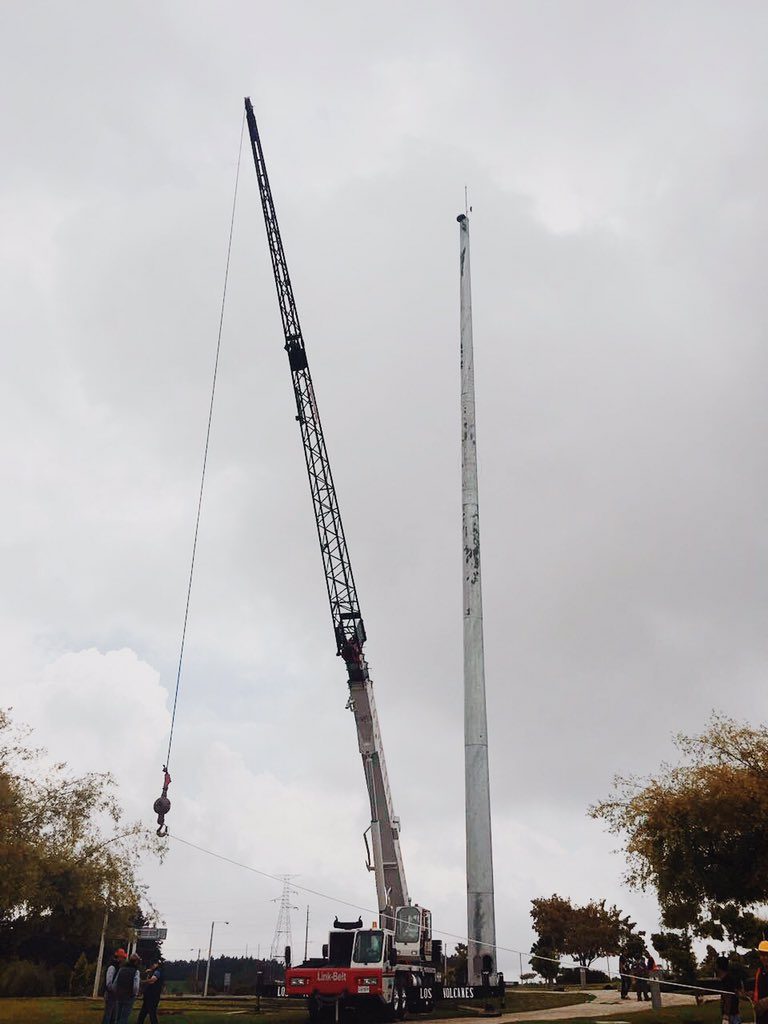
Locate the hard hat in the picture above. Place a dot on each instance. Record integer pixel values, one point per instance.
(763, 947)
(123, 955)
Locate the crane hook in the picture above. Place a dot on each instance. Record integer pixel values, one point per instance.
(162, 805)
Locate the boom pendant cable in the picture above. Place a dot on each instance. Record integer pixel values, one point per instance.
(162, 805)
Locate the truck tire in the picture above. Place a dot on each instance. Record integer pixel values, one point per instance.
(399, 1000)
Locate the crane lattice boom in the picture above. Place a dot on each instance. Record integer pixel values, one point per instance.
(342, 595)
(349, 630)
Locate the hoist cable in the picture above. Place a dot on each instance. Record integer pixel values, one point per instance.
(205, 452)
(437, 931)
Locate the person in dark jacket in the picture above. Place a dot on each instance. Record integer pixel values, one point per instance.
(153, 987)
(127, 983)
(110, 1000)
(624, 971)
(732, 988)
(640, 971)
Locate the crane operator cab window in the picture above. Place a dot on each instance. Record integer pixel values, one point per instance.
(369, 947)
(408, 926)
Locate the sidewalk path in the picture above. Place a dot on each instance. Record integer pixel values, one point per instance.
(604, 1004)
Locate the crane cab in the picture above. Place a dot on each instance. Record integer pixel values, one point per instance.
(369, 948)
(413, 933)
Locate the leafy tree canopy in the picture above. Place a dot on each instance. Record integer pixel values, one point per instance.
(545, 960)
(456, 965)
(695, 831)
(66, 853)
(677, 950)
(584, 933)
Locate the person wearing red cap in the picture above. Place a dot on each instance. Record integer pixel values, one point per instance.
(127, 984)
(110, 995)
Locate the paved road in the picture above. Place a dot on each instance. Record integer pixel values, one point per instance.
(604, 1004)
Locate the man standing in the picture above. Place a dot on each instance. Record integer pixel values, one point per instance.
(760, 994)
(127, 983)
(153, 987)
(641, 980)
(110, 999)
(732, 989)
(624, 972)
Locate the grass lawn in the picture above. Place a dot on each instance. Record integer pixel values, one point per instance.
(707, 1013)
(174, 1011)
(514, 1002)
(243, 1011)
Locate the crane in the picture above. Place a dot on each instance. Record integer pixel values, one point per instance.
(358, 966)
(348, 626)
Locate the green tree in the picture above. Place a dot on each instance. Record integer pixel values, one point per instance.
(692, 831)
(65, 851)
(545, 960)
(456, 965)
(81, 979)
(584, 933)
(634, 945)
(741, 928)
(676, 948)
(707, 967)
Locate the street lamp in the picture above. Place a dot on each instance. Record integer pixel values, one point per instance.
(210, 947)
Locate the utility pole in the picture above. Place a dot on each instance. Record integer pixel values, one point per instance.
(306, 936)
(481, 922)
(208, 966)
(100, 958)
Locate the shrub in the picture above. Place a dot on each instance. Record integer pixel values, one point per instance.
(81, 979)
(22, 978)
(61, 974)
(572, 976)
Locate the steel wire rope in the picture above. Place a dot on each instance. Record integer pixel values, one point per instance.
(205, 450)
(437, 931)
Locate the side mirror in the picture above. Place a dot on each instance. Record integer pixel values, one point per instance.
(287, 957)
(393, 956)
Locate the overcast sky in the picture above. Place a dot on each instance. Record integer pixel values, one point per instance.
(616, 156)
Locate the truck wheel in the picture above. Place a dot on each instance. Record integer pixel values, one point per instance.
(398, 1001)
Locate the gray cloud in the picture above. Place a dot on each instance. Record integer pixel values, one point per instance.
(616, 162)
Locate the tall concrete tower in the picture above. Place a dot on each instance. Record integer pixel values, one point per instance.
(481, 919)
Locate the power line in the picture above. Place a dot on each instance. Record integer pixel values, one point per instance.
(436, 931)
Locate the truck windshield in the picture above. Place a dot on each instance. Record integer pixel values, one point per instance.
(368, 947)
(407, 928)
